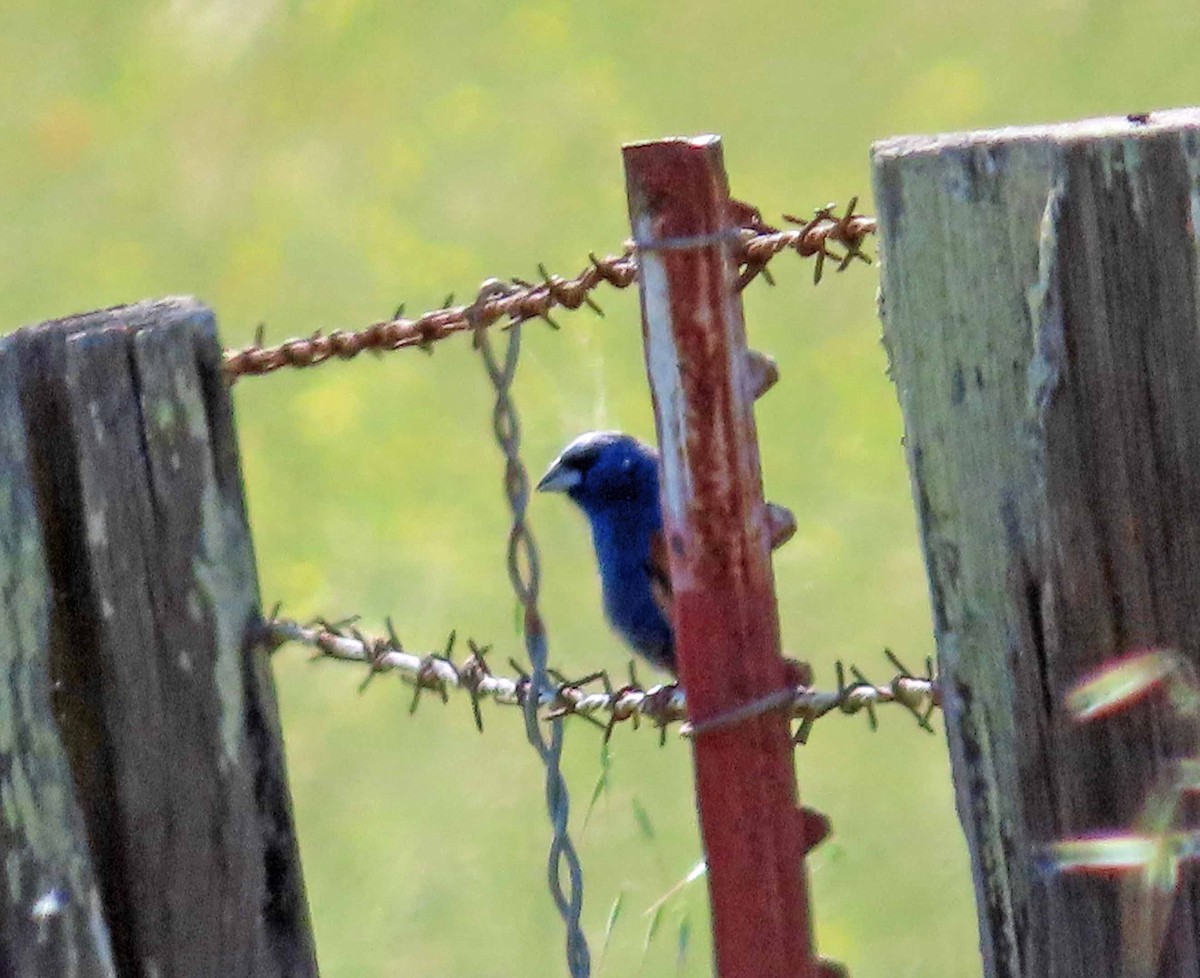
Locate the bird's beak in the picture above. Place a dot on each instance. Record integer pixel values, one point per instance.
(559, 478)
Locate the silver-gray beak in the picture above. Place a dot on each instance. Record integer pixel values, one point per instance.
(559, 478)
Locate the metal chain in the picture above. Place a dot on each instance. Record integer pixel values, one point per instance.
(524, 572)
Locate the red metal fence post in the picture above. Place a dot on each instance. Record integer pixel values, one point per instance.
(725, 618)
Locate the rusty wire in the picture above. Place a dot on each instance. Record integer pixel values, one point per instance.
(518, 301)
(592, 697)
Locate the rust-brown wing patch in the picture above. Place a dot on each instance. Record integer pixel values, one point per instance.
(659, 569)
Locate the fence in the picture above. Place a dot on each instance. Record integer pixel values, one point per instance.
(1039, 305)
(1039, 298)
(147, 824)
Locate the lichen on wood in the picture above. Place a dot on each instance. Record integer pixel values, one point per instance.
(1039, 307)
(161, 693)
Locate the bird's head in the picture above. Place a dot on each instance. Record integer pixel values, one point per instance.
(604, 468)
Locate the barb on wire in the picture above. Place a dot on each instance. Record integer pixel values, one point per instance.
(759, 242)
(517, 300)
(592, 696)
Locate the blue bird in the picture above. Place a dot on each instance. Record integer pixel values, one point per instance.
(613, 478)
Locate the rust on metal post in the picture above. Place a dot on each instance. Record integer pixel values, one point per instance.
(725, 618)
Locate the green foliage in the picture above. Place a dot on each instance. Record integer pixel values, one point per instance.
(603, 780)
(314, 164)
(642, 817)
(614, 914)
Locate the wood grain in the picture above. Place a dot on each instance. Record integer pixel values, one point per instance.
(51, 921)
(1039, 308)
(164, 700)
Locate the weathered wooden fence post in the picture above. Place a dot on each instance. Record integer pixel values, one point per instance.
(1039, 302)
(147, 828)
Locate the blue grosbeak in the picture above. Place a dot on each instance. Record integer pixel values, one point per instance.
(613, 478)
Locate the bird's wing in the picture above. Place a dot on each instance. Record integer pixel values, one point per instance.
(658, 568)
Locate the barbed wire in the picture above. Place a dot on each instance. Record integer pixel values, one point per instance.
(519, 301)
(593, 697)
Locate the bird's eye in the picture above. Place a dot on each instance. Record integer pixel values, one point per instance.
(584, 461)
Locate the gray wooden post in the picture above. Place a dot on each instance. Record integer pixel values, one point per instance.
(1039, 302)
(147, 828)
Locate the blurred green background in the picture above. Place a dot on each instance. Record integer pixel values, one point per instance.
(312, 165)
